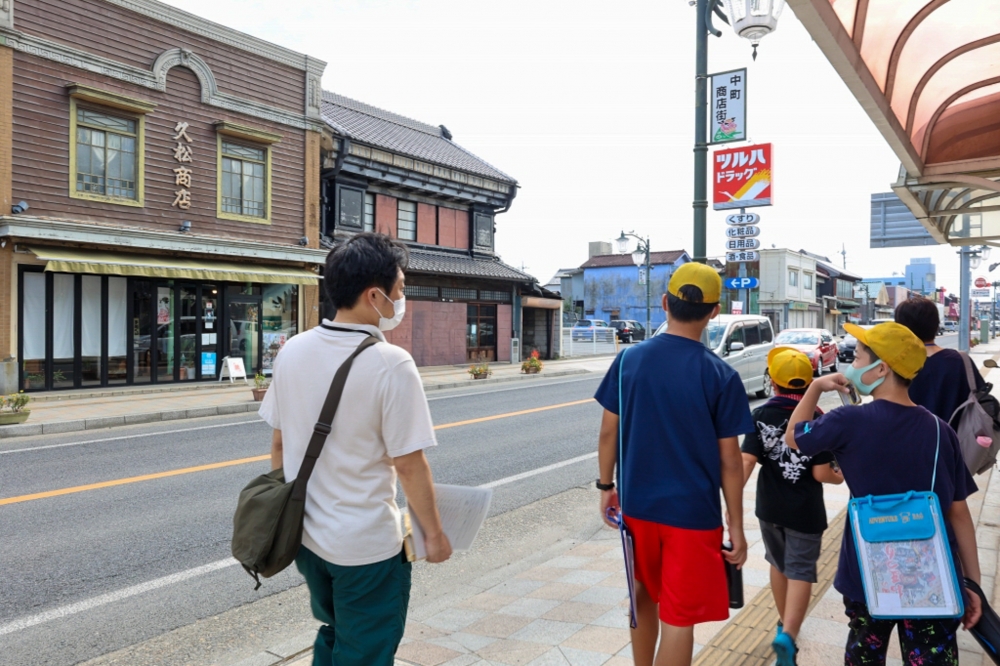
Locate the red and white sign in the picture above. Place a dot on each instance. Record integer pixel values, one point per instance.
(737, 307)
(741, 177)
(981, 282)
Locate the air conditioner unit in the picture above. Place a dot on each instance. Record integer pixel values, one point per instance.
(515, 350)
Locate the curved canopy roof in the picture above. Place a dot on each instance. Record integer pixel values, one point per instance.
(928, 74)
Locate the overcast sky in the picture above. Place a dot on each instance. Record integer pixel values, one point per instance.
(589, 105)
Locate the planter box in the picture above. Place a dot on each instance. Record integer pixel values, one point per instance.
(258, 394)
(482, 375)
(531, 371)
(12, 418)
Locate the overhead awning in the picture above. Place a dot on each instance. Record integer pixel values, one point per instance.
(69, 260)
(926, 73)
(836, 312)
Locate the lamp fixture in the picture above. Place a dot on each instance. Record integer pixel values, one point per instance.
(185, 226)
(754, 19)
(622, 243)
(304, 241)
(19, 207)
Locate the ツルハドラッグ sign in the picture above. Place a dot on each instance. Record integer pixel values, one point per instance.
(742, 177)
(727, 106)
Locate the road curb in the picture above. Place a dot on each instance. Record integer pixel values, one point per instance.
(501, 380)
(104, 422)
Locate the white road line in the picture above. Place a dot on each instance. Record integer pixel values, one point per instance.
(118, 439)
(111, 597)
(540, 470)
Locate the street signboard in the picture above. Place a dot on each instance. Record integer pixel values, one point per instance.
(728, 106)
(742, 283)
(741, 177)
(981, 282)
(737, 307)
(742, 256)
(748, 231)
(742, 244)
(979, 293)
(743, 218)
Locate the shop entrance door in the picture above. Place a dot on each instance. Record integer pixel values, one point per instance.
(243, 324)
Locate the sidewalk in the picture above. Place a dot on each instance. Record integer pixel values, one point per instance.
(71, 411)
(568, 606)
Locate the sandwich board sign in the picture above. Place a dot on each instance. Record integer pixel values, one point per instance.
(232, 367)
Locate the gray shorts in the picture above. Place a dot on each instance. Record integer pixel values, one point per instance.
(792, 553)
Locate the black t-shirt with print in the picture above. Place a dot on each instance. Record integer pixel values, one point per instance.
(787, 493)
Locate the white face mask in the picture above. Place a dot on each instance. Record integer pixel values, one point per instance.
(398, 310)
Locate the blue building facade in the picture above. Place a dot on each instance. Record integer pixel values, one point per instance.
(612, 288)
(920, 277)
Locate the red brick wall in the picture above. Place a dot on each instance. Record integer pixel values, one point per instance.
(385, 215)
(462, 230)
(438, 332)
(504, 326)
(426, 224)
(446, 227)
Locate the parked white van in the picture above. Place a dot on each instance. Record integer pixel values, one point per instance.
(744, 342)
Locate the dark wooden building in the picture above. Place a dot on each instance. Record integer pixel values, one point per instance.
(171, 171)
(387, 173)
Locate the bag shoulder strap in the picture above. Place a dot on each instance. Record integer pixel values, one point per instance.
(323, 426)
(969, 372)
(937, 450)
(621, 429)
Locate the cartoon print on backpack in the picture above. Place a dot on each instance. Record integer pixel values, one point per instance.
(791, 462)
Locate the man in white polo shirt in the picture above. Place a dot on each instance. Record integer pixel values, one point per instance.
(352, 545)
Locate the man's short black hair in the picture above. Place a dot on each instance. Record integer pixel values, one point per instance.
(363, 261)
(920, 315)
(781, 390)
(690, 308)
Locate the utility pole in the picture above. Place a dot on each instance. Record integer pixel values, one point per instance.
(843, 252)
(700, 203)
(964, 311)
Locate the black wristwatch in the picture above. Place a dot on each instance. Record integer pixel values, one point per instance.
(605, 486)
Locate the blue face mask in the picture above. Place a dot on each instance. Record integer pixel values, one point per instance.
(854, 376)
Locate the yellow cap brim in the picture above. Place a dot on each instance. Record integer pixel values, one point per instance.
(860, 333)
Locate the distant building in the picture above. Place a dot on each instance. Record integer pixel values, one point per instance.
(614, 289)
(874, 298)
(919, 277)
(788, 289)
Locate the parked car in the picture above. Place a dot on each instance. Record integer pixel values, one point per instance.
(816, 343)
(847, 345)
(629, 330)
(591, 329)
(951, 327)
(743, 341)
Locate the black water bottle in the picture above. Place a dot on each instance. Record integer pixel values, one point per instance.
(734, 580)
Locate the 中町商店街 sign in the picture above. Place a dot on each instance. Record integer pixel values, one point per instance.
(741, 177)
(727, 106)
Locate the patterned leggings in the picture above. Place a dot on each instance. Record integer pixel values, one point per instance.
(922, 642)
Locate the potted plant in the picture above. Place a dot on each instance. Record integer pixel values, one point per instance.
(34, 379)
(12, 408)
(480, 370)
(260, 383)
(533, 365)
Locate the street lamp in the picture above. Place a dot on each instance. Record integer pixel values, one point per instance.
(640, 256)
(753, 19)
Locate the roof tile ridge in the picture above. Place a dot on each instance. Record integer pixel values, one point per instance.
(389, 116)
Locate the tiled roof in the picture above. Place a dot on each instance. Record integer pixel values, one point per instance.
(390, 131)
(447, 263)
(655, 259)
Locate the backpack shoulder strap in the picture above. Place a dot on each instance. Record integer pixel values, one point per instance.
(970, 373)
(621, 429)
(323, 426)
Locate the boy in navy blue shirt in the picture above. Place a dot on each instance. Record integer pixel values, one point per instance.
(884, 447)
(683, 409)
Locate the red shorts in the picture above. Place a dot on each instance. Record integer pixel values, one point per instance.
(682, 570)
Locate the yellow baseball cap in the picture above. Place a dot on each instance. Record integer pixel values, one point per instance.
(789, 368)
(895, 344)
(698, 275)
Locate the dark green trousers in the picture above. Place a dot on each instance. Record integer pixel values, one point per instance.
(363, 609)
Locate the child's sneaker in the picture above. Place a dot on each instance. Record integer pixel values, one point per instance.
(785, 648)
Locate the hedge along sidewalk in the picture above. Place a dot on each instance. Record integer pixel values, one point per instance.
(52, 413)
